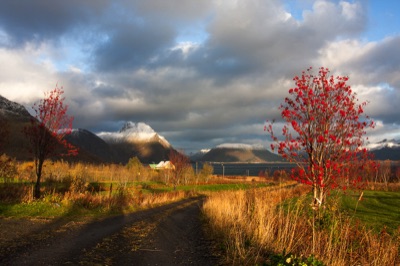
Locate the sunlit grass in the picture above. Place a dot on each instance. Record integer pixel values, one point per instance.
(377, 209)
(258, 226)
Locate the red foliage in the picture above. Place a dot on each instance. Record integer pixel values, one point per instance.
(47, 130)
(324, 132)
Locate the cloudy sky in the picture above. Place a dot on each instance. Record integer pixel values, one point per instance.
(201, 73)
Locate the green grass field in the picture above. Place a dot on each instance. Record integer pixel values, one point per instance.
(377, 209)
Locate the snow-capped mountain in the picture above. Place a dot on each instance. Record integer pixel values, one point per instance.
(240, 146)
(8, 107)
(198, 155)
(137, 139)
(134, 132)
(384, 144)
(386, 150)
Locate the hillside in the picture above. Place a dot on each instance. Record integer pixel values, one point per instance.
(91, 145)
(241, 153)
(117, 147)
(14, 118)
(140, 140)
(137, 140)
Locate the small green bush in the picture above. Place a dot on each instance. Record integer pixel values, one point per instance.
(293, 260)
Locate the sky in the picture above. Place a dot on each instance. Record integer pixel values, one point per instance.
(200, 73)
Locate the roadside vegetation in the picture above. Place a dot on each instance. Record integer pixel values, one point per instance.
(77, 189)
(265, 220)
(276, 226)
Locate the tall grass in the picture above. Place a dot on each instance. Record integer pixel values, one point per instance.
(71, 203)
(258, 224)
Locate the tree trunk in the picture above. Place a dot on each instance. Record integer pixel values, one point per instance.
(318, 197)
(39, 166)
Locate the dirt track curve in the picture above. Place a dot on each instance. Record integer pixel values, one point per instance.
(167, 235)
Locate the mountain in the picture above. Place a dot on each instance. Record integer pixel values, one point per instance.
(198, 155)
(10, 110)
(14, 117)
(240, 153)
(386, 150)
(384, 144)
(137, 139)
(92, 147)
(134, 132)
(118, 147)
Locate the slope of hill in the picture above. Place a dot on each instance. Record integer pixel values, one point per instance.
(240, 153)
(14, 118)
(89, 144)
(138, 140)
(132, 140)
(386, 150)
(198, 155)
(13, 110)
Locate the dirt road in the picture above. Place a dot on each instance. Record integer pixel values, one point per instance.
(168, 235)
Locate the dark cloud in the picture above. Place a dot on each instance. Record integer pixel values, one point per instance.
(46, 19)
(199, 72)
(129, 46)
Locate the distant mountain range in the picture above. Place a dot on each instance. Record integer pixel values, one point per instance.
(237, 152)
(117, 147)
(133, 140)
(386, 150)
(140, 140)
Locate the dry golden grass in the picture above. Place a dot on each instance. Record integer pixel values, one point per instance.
(253, 228)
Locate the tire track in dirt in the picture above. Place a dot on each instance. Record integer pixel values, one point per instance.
(167, 235)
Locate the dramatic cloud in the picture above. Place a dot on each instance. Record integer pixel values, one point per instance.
(201, 73)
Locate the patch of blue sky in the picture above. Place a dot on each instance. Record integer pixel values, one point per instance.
(297, 7)
(196, 34)
(383, 16)
(383, 19)
(4, 38)
(386, 86)
(73, 56)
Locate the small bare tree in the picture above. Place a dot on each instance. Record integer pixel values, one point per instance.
(180, 163)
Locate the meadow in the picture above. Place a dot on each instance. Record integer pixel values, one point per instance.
(254, 220)
(276, 226)
(78, 189)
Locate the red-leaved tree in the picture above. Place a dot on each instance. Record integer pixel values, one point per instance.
(47, 130)
(323, 133)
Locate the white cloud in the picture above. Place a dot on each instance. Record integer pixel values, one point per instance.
(202, 73)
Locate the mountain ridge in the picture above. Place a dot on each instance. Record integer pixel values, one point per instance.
(139, 139)
(239, 153)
